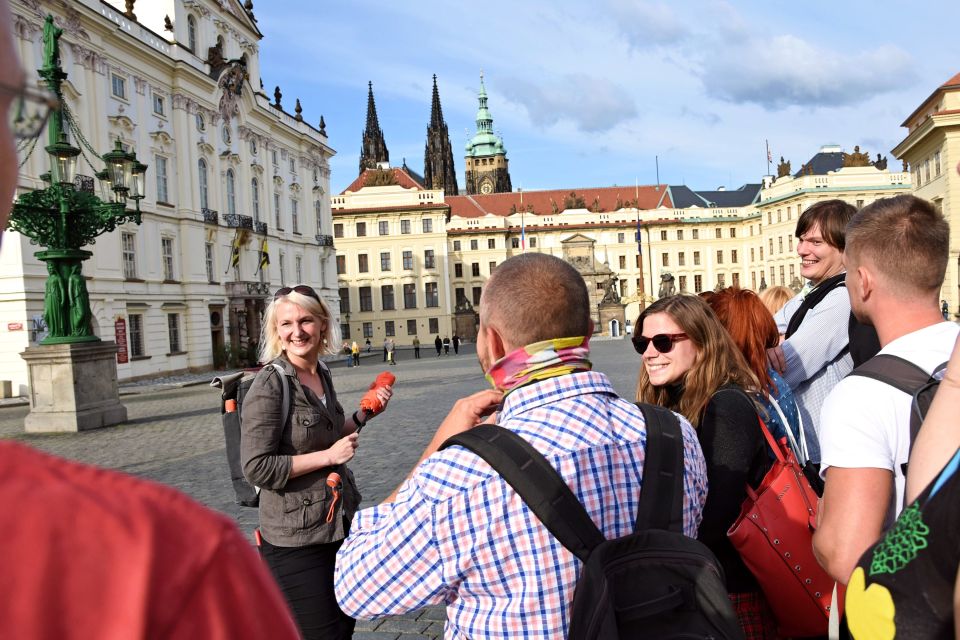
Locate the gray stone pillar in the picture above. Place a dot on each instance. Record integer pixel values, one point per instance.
(73, 387)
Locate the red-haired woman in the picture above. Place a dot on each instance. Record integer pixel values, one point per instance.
(753, 330)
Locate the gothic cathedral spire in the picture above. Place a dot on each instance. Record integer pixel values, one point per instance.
(374, 149)
(438, 169)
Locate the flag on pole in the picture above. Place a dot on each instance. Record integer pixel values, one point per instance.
(234, 253)
(264, 256)
(523, 233)
(769, 155)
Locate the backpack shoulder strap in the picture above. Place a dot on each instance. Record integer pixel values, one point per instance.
(895, 371)
(536, 481)
(661, 494)
(284, 392)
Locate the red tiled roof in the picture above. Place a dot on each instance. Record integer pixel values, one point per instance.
(400, 177)
(952, 82)
(542, 202)
(955, 80)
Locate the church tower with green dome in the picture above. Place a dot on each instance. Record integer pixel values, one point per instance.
(486, 159)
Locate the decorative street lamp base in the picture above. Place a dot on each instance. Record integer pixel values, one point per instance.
(73, 387)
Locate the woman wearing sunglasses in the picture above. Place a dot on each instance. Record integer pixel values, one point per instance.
(307, 494)
(691, 365)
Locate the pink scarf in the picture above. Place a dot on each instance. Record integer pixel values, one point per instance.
(540, 361)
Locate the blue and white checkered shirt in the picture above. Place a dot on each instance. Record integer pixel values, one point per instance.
(459, 535)
(817, 356)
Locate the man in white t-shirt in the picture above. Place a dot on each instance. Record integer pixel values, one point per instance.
(895, 256)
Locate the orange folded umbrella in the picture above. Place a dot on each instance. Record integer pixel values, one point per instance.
(371, 401)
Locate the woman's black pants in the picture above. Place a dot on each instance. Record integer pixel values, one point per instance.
(305, 575)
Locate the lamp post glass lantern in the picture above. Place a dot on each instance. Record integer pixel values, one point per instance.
(66, 215)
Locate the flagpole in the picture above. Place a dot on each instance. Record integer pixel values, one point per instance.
(643, 286)
(769, 157)
(523, 228)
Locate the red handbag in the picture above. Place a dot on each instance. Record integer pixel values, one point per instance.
(774, 536)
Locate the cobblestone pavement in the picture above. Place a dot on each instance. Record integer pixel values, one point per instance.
(174, 436)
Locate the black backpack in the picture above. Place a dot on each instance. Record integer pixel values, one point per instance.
(902, 374)
(862, 340)
(235, 387)
(655, 582)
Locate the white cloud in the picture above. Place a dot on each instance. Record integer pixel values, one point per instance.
(785, 70)
(648, 23)
(591, 103)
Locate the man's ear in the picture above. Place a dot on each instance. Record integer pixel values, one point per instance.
(867, 282)
(494, 342)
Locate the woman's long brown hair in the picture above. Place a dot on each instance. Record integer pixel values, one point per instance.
(718, 361)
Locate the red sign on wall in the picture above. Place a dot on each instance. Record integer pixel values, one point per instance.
(120, 335)
(14, 326)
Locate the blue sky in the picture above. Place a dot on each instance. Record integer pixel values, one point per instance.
(587, 94)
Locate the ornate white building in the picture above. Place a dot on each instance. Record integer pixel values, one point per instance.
(178, 82)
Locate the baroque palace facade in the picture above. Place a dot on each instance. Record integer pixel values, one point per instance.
(231, 173)
(412, 257)
(412, 261)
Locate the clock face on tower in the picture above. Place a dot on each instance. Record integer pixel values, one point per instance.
(486, 188)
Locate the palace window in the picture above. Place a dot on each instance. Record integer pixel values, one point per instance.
(208, 259)
(118, 86)
(166, 255)
(384, 261)
(128, 243)
(162, 192)
(366, 299)
(387, 302)
(255, 198)
(136, 335)
(231, 193)
(173, 331)
(410, 296)
(408, 260)
(202, 179)
(431, 295)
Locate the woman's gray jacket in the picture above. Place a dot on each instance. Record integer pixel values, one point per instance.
(295, 512)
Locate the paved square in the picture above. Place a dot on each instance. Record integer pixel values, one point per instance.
(174, 436)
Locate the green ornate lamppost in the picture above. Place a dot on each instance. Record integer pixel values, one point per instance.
(63, 218)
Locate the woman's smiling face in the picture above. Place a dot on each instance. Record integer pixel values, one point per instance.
(670, 367)
(301, 333)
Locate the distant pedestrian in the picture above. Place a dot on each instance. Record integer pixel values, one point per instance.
(368, 345)
(391, 347)
(355, 350)
(438, 343)
(945, 310)
(347, 354)
(446, 346)
(416, 348)
(456, 344)
(384, 350)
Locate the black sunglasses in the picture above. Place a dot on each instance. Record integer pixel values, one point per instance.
(302, 289)
(662, 342)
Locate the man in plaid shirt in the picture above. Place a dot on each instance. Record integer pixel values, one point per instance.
(455, 532)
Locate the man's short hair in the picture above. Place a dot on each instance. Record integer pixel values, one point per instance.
(906, 240)
(831, 216)
(534, 297)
